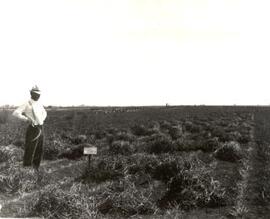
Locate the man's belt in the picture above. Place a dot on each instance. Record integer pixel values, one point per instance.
(37, 126)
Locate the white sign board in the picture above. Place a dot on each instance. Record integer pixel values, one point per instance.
(90, 150)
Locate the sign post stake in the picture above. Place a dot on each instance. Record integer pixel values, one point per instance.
(89, 160)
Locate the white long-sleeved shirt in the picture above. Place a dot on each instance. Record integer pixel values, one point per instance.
(28, 108)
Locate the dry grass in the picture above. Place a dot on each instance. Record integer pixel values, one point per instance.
(54, 202)
(147, 167)
(17, 180)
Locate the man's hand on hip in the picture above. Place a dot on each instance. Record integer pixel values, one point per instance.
(28, 119)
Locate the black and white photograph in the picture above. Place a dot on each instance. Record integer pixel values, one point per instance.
(134, 109)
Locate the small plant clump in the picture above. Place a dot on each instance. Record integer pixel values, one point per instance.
(17, 180)
(141, 130)
(53, 202)
(51, 150)
(159, 143)
(124, 198)
(229, 151)
(193, 187)
(10, 153)
(80, 139)
(191, 127)
(103, 170)
(121, 147)
(175, 132)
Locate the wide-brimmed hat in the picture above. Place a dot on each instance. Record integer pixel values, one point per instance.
(35, 89)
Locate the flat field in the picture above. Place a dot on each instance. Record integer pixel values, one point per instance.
(151, 162)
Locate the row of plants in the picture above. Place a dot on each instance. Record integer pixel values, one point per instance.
(136, 185)
(156, 138)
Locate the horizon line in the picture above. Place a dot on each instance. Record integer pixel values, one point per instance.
(127, 106)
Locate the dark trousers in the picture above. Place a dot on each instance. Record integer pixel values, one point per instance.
(33, 148)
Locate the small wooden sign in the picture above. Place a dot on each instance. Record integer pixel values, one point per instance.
(90, 150)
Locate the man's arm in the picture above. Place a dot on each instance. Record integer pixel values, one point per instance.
(44, 113)
(19, 113)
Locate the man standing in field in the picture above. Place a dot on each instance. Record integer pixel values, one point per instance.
(33, 113)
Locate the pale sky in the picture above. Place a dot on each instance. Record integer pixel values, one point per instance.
(135, 52)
